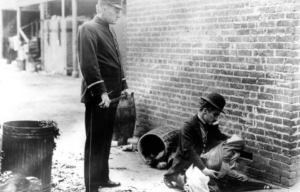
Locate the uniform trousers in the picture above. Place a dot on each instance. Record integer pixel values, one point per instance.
(99, 123)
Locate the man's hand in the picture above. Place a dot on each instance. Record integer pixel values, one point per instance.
(126, 92)
(105, 101)
(209, 172)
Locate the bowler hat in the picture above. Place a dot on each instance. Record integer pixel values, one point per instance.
(216, 100)
(115, 3)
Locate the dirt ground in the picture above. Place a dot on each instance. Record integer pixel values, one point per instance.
(40, 96)
(45, 96)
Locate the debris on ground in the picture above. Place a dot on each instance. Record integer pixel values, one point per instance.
(10, 182)
(65, 177)
(127, 147)
(122, 189)
(5, 176)
(123, 169)
(114, 143)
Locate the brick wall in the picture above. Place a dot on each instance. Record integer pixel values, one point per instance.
(248, 51)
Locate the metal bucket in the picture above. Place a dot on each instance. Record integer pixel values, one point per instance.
(158, 144)
(124, 120)
(28, 149)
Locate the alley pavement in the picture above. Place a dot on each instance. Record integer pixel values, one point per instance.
(49, 96)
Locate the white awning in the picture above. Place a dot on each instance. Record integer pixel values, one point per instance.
(13, 4)
(22, 3)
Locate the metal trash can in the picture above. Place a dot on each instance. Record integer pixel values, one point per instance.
(28, 149)
(158, 144)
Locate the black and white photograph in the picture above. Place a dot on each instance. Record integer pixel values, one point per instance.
(149, 95)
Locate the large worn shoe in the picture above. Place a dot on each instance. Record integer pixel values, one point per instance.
(94, 190)
(110, 183)
(169, 183)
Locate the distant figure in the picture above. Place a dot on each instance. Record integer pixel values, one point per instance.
(103, 80)
(204, 152)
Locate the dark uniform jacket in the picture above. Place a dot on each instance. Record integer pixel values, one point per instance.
(191, 145)
(100, 61)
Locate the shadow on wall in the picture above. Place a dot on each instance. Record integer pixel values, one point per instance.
(146, 120)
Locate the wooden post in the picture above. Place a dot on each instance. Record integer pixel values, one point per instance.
(32, 29)
(63, 4)
(42, 34)
(19, 22)
(75, 72)
(1, 34)
(36, 30)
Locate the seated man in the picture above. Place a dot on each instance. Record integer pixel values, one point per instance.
(198, 136)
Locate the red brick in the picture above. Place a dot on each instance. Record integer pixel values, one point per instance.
(272, 31)
(249, 81)
(290, 146)
(274, 120)
(256, 131)
(276, 16)
(258, 46)
(276, 46)
(289, 38)
(275, 164)
(246, 11)
(265, 154)
(243, 32)
(273, 177)
(262, 96)
(245, 53)
(267, 24)
(287, 53)
(257, 74)
(266, 38)
(289, 123)
(290, 175)
(282, 158)
(223, 45)
(236, 5)
(241, 73)
(293, 15)
(273, 170)
(273, 134)
(258, 166)
(249, 39)
(284, 114)
(284, 23)
(289, 182)
(273, 105)
(236, 86)
(285, 8)
(252, 61)
(264, 111)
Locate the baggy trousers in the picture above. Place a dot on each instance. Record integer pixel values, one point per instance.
(213, 160)
(99, 123)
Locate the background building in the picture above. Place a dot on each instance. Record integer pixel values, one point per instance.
(49, 29)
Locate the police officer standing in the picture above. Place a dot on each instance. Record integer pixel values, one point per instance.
(103, 80)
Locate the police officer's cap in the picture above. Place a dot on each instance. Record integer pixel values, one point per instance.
(115, 3)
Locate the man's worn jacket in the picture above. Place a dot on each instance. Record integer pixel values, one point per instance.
(100, 61)
(191, 145)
